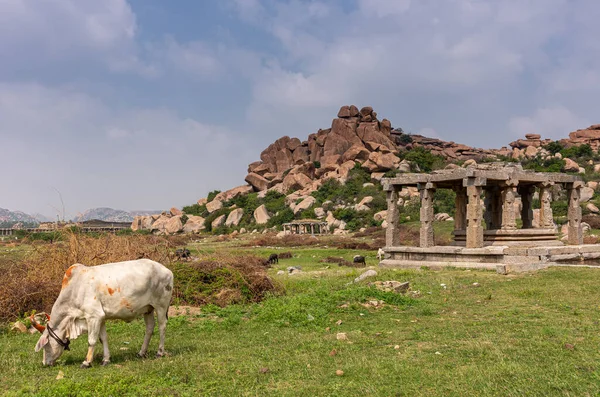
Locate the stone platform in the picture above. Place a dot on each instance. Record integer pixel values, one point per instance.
(537, 236)
(503, 259)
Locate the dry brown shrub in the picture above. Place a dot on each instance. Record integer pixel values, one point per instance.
(34, 282)
(285, 255)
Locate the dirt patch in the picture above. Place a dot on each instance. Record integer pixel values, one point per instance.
(175, 311)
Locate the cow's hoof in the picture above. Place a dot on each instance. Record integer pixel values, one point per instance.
(140, 355)
(105, 362)
(159, 355)
(85, 365)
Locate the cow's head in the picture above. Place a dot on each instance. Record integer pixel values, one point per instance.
(52, 348)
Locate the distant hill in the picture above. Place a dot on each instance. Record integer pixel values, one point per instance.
(111, 215)
(10, 218)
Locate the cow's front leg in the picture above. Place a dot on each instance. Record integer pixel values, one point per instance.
(104, 340)
(94, 326)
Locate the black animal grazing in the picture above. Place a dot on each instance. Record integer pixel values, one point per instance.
(273, 258)
(183, 253)
(359, 259)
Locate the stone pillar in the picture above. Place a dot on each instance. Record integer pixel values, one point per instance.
(574, 213)
(460, 215)
(392, 233)
(526, 193)
(546, 218)
(474, 217)
(509, 213)
(427, 215)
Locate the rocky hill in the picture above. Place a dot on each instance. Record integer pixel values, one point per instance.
(334, 175)
(110, 215)
(11, 218)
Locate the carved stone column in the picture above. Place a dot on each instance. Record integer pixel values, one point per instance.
(509, 215)
(574, 213)
(546, 218)
(526, 193)
(460, 214)
(427, 215)
(392, 233)
(474, 217)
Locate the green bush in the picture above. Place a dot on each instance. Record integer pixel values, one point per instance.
(559, 208)
(539, 164)
(581, 152)
(424, 159)
(284, 216)
(444, 201)
(554, 147)
(195, 209)
(274, 201)
(405, 139)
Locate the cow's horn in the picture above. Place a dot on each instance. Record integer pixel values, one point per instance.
(37, 326)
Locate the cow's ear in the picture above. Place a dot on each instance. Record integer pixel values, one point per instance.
(41, 342)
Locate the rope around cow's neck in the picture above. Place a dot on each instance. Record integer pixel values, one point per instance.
(51, 332)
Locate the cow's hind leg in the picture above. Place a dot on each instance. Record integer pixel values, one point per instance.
(149, 319)
(104, 340)
(161, 316)
(94, 325)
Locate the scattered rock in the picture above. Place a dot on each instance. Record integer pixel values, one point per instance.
(365, 275)
(391, 286)
(339, 372)
(341, 336)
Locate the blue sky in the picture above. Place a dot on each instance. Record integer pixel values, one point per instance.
(148, 104)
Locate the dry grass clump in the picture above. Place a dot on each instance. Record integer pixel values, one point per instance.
(222, 281)
(34, 281)
(285, 255)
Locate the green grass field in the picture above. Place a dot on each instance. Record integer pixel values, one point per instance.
(518, 335)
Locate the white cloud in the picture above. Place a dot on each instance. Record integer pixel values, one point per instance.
(98, 155)
(63, 30)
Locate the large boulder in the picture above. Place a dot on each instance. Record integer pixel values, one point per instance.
(296, 182)
(258, 182)
(261, 215)
(173, 225)
(234, 217)
(233, 193)
(175, 211)
(305, 204)
(586, 194)
(218, 221)
(213, 206)
(381, 162)
(356, 152)
(571, 166)
(137, 223)
(194, 224)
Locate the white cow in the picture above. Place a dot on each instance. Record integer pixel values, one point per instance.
(92, 295)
